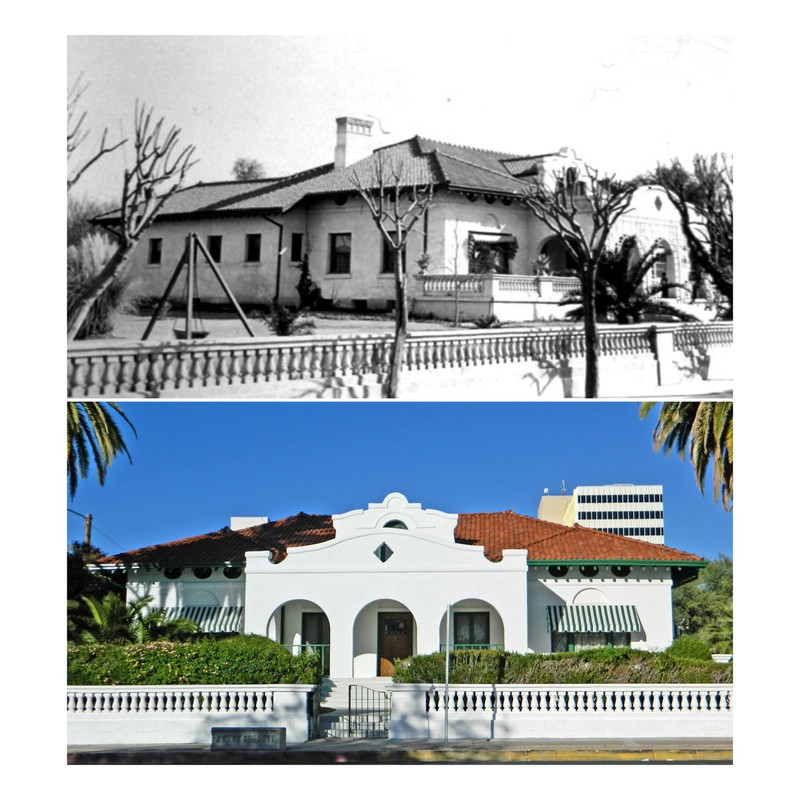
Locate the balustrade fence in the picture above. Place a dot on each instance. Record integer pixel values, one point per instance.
(574, 711)
(143, 369)
(185, 714)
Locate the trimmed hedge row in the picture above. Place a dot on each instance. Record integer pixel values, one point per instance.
(602, 665)
(233, 660)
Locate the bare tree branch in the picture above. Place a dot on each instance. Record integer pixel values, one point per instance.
(77, 134)
(159, 170)
(582, 214)
(395, 218)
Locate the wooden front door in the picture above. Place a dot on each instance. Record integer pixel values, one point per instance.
(394, 639)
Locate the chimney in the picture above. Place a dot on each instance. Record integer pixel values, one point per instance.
(240, 523)
(353, 141)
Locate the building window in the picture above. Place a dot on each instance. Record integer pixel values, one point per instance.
(471, 628)
(252, 248)
(296, 247)
(341, 245)
(154, 251)
(214, 245)
(387, 257)
(491, 252)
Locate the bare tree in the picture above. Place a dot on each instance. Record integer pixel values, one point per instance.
(159, 169)
(395, 206)
(77, 133)
(582, 213)
(703, 199)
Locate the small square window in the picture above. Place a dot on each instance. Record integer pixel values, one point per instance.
(252, 248)
(154, 251)
(214, 245)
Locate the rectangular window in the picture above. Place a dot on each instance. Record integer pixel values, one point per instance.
(387, 257)
(341, 245)
(252, 248)
(471, 628)
(214, 245)
(491, 253)
(297, 247)
(154, 251)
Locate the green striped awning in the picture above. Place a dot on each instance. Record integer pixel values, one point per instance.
(210, 618)
(600, 618)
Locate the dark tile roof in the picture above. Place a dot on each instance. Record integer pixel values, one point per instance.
(495, 531)
(419, 161)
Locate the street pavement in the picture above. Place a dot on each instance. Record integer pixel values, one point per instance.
(462, 751)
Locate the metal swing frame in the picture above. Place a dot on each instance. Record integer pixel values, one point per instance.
(189, 260)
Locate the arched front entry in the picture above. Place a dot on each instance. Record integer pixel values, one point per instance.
(383, 631)
(474, 625)
(302, 626)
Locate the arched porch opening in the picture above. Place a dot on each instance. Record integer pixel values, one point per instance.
(665, 272)
(302, 627)
(474, 625)
(383, 631)
(555, 257)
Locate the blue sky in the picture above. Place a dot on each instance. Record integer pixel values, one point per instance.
(196, 464)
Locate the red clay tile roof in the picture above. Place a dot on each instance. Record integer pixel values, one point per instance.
(495, 531)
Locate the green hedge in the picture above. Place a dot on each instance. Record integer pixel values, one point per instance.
(601, 665)
(237, 659)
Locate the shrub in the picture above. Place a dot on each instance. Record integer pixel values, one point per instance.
(466, 666)
(487, 321)
(309, 292)
(285, 321)
(689, 647)
(236, 659)
(599, 665)
(84, 262)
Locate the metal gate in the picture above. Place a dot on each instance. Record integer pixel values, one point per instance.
(368, 712)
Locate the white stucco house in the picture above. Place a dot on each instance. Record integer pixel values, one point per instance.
(373, 585)
(510, 263)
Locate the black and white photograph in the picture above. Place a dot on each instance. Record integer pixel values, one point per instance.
(294, 217)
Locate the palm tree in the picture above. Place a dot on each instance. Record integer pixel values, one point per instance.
(620, 294)
(114, 620)
(706, 431)
(93, 435)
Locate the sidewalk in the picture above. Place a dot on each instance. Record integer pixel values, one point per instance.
(461, 751)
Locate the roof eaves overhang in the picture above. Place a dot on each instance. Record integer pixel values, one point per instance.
(151, 565)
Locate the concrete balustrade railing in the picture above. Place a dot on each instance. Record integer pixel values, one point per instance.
(632, 358)
(561, 711)
(497, 286)
(103, 715)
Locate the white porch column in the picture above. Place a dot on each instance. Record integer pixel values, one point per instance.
(428, 619)
(341, 622)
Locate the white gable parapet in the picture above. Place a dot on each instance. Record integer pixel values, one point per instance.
(392, 556)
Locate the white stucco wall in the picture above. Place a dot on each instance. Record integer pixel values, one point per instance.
(649, 588)
(249, 282)
(426, 572)
(216, 591)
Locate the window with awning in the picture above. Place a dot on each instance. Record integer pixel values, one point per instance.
(491, 252)
(210, 619)
(596, 618)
